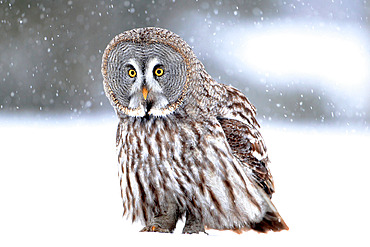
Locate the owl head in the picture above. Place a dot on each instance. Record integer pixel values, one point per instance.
(146, 72)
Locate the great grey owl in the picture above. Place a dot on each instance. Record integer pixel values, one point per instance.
(187, 145)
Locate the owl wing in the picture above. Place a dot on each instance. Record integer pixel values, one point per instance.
(238, 121)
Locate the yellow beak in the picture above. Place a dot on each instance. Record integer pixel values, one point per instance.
(145, 92)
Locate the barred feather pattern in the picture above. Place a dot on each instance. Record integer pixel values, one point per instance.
(203, 152)
(194, 165)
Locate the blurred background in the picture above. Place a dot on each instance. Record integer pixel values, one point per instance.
(298, 61)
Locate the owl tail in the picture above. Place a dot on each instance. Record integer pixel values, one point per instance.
(272, 221)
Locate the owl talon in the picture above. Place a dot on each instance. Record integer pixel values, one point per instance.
(193, 231)
(155, 228)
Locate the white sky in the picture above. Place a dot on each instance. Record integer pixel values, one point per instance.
(336, 55)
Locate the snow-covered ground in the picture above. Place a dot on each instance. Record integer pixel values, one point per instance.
(59, 187)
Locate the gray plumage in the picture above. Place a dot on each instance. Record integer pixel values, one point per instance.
(186, 144)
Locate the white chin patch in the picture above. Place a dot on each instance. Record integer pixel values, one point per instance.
(140, 112)
(160, 108)
(159, 112)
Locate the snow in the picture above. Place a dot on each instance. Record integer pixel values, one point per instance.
(59, 187)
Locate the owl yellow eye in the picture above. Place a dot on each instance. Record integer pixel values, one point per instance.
(132, 73)
(158, 72)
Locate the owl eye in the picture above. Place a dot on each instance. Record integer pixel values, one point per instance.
(131, 73)
(158, 72)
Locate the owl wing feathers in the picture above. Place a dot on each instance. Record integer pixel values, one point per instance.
(246, 147)
(241, 129)
(237, 118)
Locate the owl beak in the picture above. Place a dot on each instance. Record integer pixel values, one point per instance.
(145, 92)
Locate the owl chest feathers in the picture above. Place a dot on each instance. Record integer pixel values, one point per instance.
(154, 141)
(187, 161)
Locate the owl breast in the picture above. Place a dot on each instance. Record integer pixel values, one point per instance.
(176, 159)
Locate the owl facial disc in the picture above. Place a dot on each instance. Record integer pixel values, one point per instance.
(144, 79)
